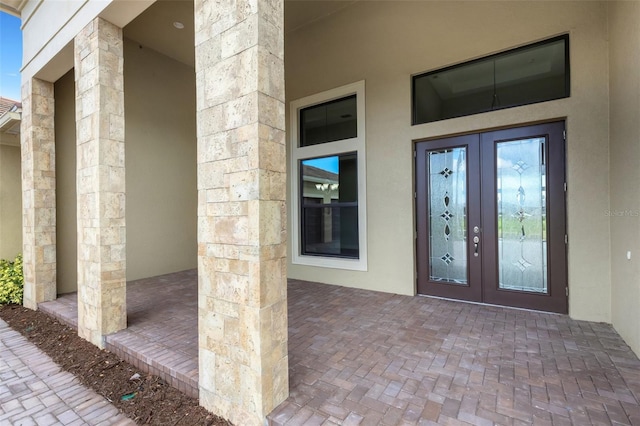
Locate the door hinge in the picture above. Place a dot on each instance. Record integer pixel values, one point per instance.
(566, 239)
(415, 195)
(415, 154)
(565, 187)
(564, 135)
(415, 235)
(566, 291)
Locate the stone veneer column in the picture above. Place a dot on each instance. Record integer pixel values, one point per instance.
(242, 292)
(100, 183)
(38, 192)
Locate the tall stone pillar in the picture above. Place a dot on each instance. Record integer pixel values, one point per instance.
(38, 192)
(242, 293)
(99, 79)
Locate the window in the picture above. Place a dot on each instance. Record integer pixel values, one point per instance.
(329, 192)
(328, 195)
(534, 73)
(328, 122)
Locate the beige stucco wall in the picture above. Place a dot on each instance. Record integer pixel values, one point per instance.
(10, 202)
(624, 214)
(384, 43)
(66, 225)
(160, 156)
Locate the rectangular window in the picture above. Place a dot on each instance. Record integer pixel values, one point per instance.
(328, 122)
(329, 190)
(534, 73)
(328, 195)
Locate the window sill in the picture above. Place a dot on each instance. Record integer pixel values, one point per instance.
(330, 262)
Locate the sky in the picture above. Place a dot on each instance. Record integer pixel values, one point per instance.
(10, 56)
(329, 164)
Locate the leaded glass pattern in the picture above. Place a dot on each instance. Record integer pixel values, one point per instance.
(521, 198)
(447, 206)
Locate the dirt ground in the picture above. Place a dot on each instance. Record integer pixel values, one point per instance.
(147, 400)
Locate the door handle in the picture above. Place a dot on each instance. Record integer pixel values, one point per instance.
(476, 243)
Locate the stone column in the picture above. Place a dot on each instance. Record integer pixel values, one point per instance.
(38, 192)
(100, 184)
(242, 293)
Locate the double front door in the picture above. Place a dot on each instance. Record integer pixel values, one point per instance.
(490, 211)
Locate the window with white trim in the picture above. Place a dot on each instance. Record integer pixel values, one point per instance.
(328, 187)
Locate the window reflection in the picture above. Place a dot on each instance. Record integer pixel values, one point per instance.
(329, 122)
(535, 73)
(330, 206)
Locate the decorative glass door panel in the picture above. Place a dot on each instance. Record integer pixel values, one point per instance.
(447, 205)
(522, 211)
(490, 217)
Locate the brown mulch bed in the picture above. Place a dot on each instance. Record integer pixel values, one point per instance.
(152, 401)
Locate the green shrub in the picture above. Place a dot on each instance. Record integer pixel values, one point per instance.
(11, 281)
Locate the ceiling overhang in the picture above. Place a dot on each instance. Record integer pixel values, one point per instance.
(153, 26)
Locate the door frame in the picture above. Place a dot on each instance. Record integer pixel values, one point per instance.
(481, 191)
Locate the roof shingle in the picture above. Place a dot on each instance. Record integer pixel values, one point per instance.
(6, 105)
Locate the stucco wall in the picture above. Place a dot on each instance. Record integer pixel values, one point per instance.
(10, 202)
(160, 157)
(66, 225)
(624, 214)
(384, 43)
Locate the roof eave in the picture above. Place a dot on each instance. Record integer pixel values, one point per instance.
(8, 120)
(12, 7)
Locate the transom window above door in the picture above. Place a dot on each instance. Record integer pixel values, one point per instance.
(328, 189)
(529, 74)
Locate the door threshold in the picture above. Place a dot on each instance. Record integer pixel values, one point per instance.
(490, 305)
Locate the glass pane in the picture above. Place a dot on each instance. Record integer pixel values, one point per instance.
(534, 73)
(328, 122)
(530, 75)
(522, 233)
(330, 206)
(325, 231)
(447, 206)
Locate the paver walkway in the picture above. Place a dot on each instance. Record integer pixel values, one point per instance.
(35, 391)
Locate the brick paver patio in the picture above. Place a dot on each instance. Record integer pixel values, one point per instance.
(362, 357)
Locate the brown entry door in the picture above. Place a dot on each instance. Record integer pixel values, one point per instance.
(490, 211)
